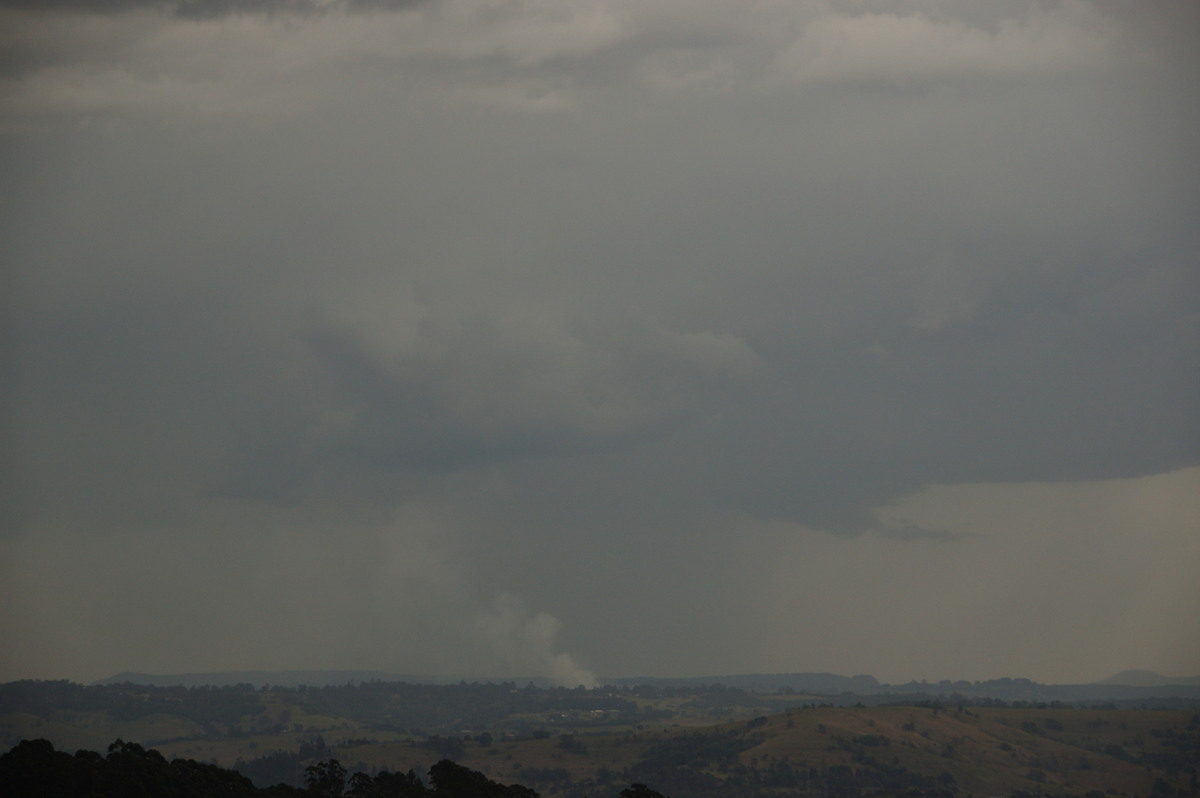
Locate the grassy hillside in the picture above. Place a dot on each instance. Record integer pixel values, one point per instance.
(980, 751)
(685, 743)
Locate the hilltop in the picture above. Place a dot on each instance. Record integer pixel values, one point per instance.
(1140, 678)
(1126, 686)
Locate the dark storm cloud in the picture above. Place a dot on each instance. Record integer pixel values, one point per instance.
(205, 9)
(587, 308)
(212, 9)
(819, 334)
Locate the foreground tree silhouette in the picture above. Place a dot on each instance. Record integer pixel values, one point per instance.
(326, 779)
(33, 769)
(387, 785)
(640, 791)
(452, 780)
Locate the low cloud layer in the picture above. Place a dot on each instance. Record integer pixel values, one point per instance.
(549, 330)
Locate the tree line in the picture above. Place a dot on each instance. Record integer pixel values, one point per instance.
(34, 768)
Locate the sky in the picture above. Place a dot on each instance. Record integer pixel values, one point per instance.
(513, 338)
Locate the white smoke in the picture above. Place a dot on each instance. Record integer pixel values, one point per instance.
(522, 643)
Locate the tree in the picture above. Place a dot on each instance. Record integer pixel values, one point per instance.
(452, 780)
(387, 785)
(327, 778)
(640, 791)
(33, 767)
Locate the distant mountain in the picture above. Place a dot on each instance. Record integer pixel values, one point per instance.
(314, 678)
(822, 683)
(1139, 678)
(1127, 685)
(256, 678)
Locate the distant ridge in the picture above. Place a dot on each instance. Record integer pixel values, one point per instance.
(763, 682)
(824, 683)
(312, 678)
(257, 678)
(1141, 678)
(1126, 685)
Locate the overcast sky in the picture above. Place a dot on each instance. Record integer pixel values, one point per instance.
(534, 338)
